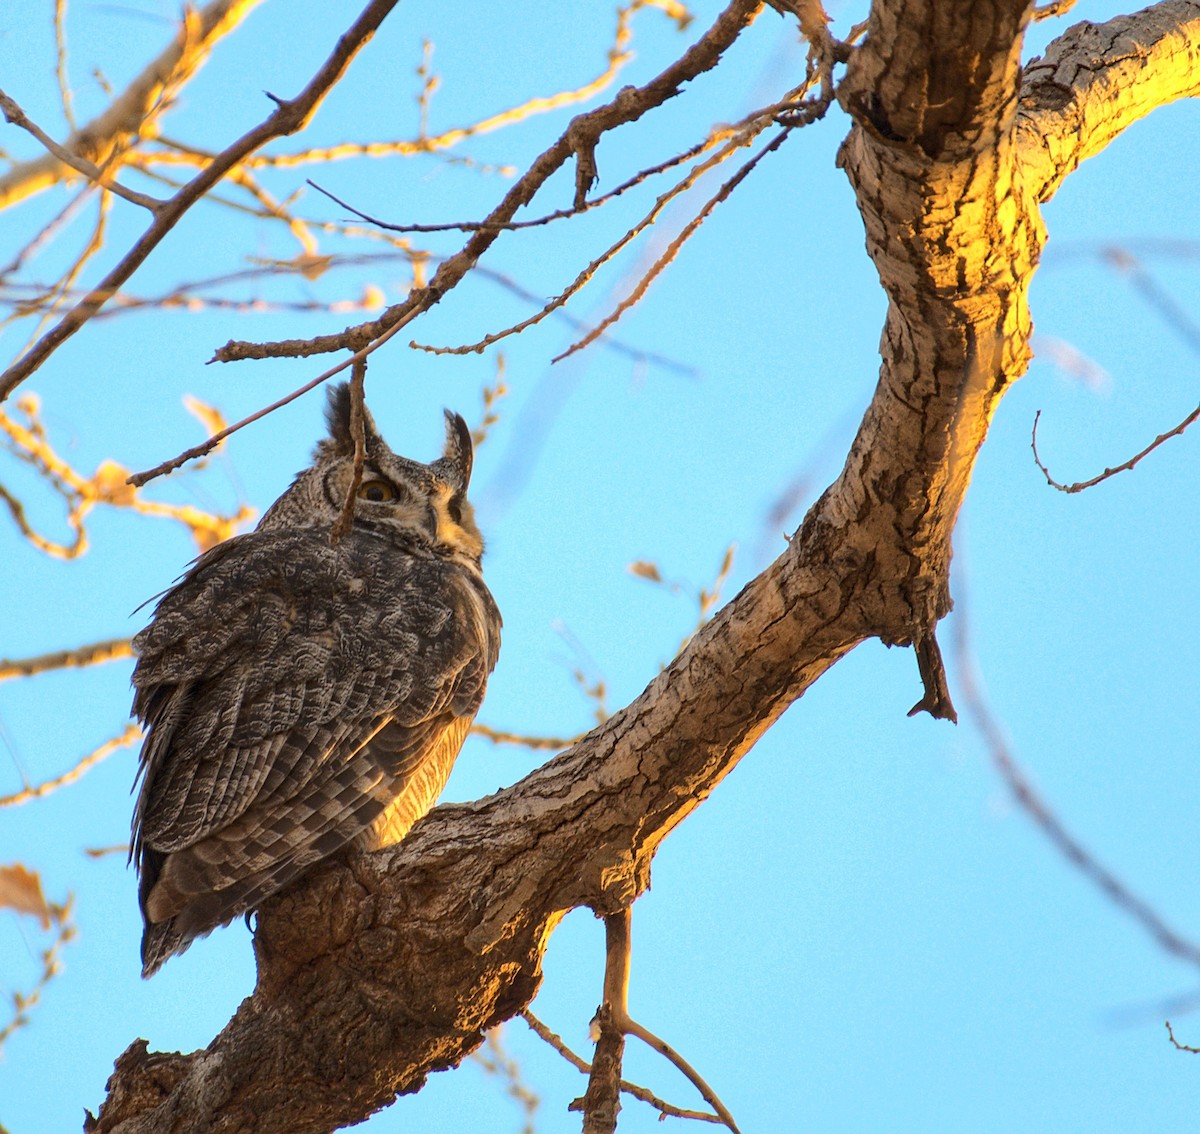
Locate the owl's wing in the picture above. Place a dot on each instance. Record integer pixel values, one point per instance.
(281, 729)
(188, 893)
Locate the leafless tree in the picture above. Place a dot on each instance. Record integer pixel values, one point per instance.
(381, 969)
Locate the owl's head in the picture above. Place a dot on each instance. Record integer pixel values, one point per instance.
(396, 495)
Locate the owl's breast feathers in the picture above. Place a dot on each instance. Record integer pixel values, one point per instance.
(298, 697)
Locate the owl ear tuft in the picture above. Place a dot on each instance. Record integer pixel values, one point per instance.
(337, 418)
(458, 454)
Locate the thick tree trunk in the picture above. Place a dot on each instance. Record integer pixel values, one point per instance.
(381, 969)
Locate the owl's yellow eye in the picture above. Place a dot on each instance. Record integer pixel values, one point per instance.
(377, 491)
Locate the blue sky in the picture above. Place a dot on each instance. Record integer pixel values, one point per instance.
(858, 930)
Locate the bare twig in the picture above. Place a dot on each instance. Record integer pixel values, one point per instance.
(632, 1089)
(578, 140)
(600, 1103)
(733, 140)
(15, 116)
(602, 1100)
(107, 485)
(56, 917)
(131, 113)
(57, 294)
(288, 117)
(139, 479)
(714, 138)
(1053, 9)
(130, 735)
(1176, 1044)
(520, 740)
(72, 550)
(1125, 466)
(60, 62)
(673, 248)
(617, 57)
(104, 852)
(633, 1028)
(495, 1060)
(46, 234)
(1173, 313)
(111, 650)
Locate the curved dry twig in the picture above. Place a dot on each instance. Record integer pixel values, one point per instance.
(1176, 1044)
(588, 272)
(15, 116)
(138, 105)
(1124, 466)
(522, 740)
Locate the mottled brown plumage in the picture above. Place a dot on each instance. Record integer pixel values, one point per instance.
(300, 694)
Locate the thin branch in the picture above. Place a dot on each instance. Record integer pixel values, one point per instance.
(139, 479)
(56, 296)
(131, 734)
(30, 444)
(632, 1089)
(1125, 466)
(602, 1100)
(98, 652)
(673, 248)
(60, 62)
(15, 116)
(50, 547)
(46, 234)
(1176, 1044)
(618, 56)
(1173, 313)
(600, 1104)
(139, 105)
(1052, 10)
(633, 1028)
(495, 1060)
(579, 140)
(58, 917)
(742, 136)
(537, 743)
(288, 117)
(714, 137)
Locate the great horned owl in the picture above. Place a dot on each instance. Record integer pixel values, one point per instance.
(303, 694)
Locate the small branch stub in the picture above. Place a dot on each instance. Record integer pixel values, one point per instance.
(936, 701)
(602, 1100)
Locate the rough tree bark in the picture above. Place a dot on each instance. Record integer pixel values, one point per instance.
(381, 969)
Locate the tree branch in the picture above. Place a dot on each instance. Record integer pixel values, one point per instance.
(376, 970)
(15, 116)
(127, 116)
(579, 140)
(1097, 79)
(288, 117)
(93, 654)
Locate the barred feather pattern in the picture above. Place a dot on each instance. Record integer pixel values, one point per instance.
(303, 695)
